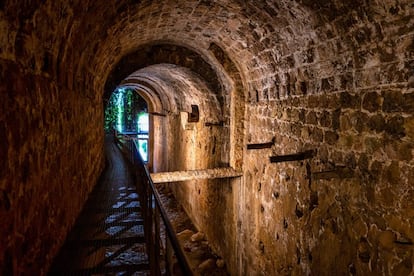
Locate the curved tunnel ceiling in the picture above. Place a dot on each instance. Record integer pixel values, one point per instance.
(91, 46)
(177, 56)
(175, 88)
(265, 39)
(255, 35)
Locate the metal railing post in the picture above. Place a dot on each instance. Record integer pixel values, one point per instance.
(153, 212)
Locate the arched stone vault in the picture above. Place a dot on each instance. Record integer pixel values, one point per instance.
(148, 94)
(179, 88)
(331, 75)
(175, 90)
(163, 53)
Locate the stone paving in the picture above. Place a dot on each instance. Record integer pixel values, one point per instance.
(108, 237)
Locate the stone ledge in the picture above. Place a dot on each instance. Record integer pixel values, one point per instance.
(176, 176)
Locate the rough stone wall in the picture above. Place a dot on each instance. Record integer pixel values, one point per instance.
(52, 157)
(349, 96)
(51, 154)
(159, 162)
(209, 203)
(344, 222)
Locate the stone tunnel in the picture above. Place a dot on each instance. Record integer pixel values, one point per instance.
(311, 103)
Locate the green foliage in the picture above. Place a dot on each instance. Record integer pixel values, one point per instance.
(122, 110)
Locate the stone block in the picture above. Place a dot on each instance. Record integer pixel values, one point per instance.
(376, 123)
(393, 101)
(325, 119)
(348, 100)
(331, 137)
(395, 127)
(345, 122)
(386, 239)
(372, 101)
(408, 126)
(311, 118)
(317, 135)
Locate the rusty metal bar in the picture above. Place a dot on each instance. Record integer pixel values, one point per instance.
(293, 157)
(157, 114)
(221, 123)
(261, 145)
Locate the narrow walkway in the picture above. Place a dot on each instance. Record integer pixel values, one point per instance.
(108, 237)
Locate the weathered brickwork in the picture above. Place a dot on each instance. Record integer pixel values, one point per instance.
(51, 137)
(351, 99)
(331, 76)
(43, 182)
(374, 147)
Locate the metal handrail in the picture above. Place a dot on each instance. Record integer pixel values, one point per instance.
(153, 209)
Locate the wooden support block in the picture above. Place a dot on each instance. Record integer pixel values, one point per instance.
(293, 157)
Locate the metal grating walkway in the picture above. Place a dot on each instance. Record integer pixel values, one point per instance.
(108, 237)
